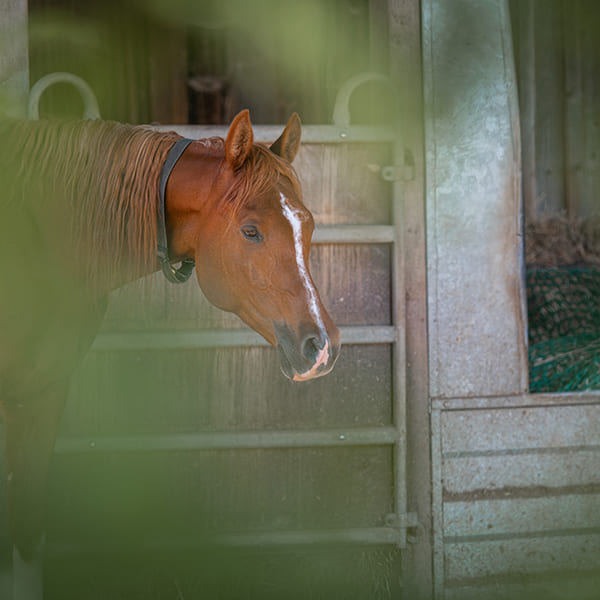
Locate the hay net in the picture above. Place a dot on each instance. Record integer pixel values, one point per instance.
(563, 300)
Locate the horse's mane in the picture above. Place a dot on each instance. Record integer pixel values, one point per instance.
(107, 174)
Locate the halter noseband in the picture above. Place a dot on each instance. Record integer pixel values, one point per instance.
(174, 275)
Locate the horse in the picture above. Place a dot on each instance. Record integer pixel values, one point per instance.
(87, 206)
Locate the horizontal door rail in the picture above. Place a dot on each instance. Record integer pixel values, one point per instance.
(354, 234)
(361, 536)
(311, 134)
(205, 440)
(224, 338)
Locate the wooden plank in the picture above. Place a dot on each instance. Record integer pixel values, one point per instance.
(519, 429)
(590, 64)
(405, 67)
(577, 467)
(549, 111)
(521, 556)
(168, 73)
(523, 12)
(574, 24)
(518, 516)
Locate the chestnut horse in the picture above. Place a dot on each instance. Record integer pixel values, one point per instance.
(82, 213)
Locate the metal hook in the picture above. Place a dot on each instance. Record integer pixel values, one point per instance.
(90, 105)
(341, 108)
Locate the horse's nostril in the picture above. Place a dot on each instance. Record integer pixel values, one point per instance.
(312, 346)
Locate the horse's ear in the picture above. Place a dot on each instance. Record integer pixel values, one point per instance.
(239, 140)
(288, 142)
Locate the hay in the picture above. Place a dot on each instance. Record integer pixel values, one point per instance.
(560, 241)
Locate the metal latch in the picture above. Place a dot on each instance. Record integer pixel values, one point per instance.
(406, 521)
(403, 172)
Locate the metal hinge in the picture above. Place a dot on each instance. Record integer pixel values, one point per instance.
(403, 172)
(407, 521)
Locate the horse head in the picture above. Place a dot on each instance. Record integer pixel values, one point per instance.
(238, 212)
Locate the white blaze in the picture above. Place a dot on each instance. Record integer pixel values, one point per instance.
(295, 217)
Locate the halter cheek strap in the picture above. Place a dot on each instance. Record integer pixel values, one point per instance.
(174, 275)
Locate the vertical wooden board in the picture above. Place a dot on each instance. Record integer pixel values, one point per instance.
(403, 22)
(227, 389)
(249, 51)
(168, 74)
(590, 59)
(549, 111)
(574, 26)
(522, 13)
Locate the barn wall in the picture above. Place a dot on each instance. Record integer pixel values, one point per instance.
(558, 60)
(515, 483)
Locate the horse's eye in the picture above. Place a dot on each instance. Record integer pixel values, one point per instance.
(251, 233)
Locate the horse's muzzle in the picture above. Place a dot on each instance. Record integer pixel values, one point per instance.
(311, 356)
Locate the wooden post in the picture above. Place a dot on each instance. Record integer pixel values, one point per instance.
(406, 72)
(14, 61)
(549, 108)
